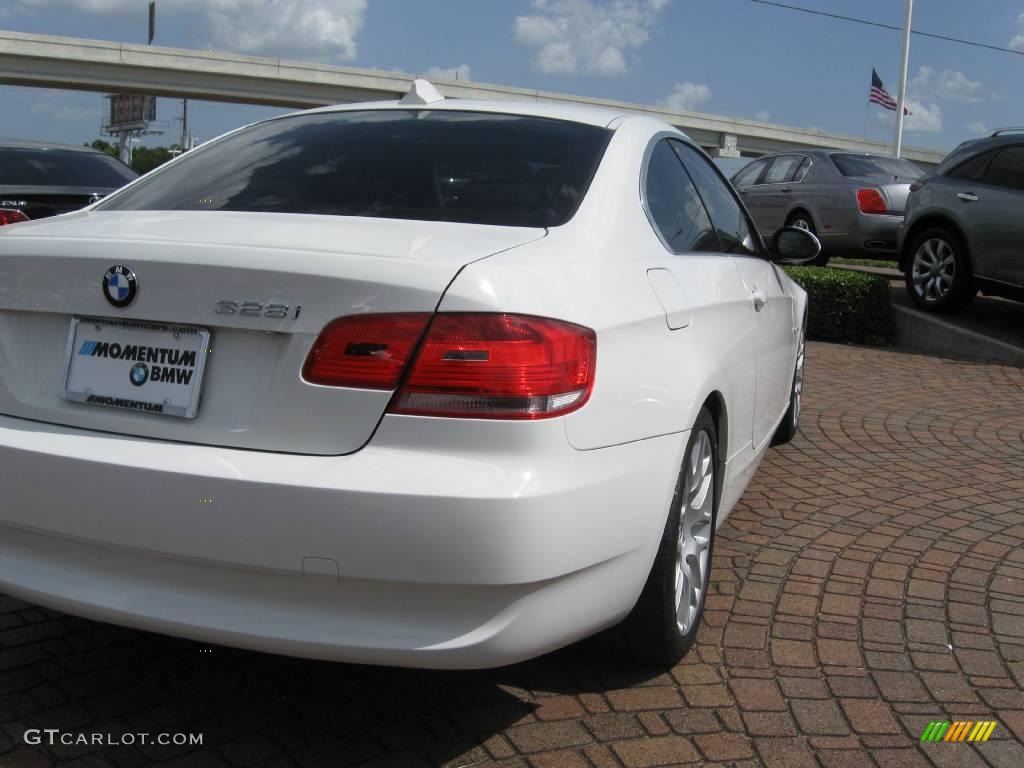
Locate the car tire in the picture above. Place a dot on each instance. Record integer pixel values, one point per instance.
(787, 428)
(803, 220)
(939, 277)
(661, 629)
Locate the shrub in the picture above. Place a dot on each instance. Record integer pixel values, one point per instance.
(846, 306)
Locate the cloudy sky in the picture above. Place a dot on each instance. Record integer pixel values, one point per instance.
(729, 57)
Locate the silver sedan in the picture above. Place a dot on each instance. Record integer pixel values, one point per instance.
(853, 202)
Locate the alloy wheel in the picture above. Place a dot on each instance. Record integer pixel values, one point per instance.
(933, 270)
(802, 224)
(694, 541)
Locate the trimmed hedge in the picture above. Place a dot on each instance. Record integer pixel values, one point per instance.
(846, 306)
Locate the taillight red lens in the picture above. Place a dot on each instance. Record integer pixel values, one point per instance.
(499, 366)
(11, 216)
(364, 351)
(871, 201)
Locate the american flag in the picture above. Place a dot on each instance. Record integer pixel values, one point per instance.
(879, 95)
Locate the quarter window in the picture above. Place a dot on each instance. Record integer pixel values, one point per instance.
(674, 205)
(802, 169)
(1007, 169)
(731, 224)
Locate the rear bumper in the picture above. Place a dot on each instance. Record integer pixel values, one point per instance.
(439, 545)
(864, 234)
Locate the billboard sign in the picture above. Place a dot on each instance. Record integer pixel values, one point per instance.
(130, 111)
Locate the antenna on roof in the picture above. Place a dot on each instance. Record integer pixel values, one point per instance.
(422, 92)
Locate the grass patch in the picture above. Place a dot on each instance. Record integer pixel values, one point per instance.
(846, 306)
(865, 262)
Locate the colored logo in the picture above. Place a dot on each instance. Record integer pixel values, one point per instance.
(139, 374)
(959, 731)
(120, 286)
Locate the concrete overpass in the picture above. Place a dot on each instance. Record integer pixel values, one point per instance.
(49, 61)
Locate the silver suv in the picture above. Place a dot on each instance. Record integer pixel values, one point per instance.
(965, 224)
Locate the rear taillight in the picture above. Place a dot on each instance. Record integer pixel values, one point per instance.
(364, 351)
(871, 201)
(499, 366)
(11, 216)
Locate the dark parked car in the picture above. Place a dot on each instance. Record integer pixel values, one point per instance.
(965, 225)
(852, 202)
(42, 179)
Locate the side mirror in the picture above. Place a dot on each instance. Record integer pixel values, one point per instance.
(793, 245)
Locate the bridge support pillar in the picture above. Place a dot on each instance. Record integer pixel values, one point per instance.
(728, 145)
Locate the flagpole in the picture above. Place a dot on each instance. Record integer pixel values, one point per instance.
(901, 103)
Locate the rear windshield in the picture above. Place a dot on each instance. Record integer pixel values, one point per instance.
(61, 168)
(871, 165)
(407, 164)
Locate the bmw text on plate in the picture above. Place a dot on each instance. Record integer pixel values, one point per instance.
(541, 352)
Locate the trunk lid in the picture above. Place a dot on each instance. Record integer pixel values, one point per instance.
(251, 392)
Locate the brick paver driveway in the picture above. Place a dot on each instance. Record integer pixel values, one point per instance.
(871, 581)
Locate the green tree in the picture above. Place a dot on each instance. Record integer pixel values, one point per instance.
(145, 159)
(103, 146)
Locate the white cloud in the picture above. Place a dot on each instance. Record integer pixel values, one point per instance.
(1017, 41)
(324, 29)
(460, 72)
(924, 118)
(978, 128)
(951, 85)
(686, 97)
(764, 116)
(586, 37)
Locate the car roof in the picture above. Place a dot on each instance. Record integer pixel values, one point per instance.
(27, 144)
(973, 147)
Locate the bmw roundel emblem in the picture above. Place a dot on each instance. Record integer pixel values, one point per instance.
(139, 374)
(120, 286)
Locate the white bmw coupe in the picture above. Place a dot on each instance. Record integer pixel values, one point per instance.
(432, 383)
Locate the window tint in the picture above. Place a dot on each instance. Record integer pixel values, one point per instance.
(747, 177)
(441, 165)
(728, 217)
(969, 170)
(674, 204)
(1007, 169)
(782, 169)
(61, 168)
(874, 165)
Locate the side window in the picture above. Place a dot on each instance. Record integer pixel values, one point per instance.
(731, 223)
(970, 169)
(675, 206)
(802, 169)
(1006, 169)
(782, 169)
(748, 176)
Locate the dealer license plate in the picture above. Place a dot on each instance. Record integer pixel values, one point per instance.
(138, 366)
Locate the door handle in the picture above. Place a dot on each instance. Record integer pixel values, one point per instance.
(968, 197)
(760, 299)
(787, 190)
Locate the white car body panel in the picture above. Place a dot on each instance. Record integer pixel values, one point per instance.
(433, 542)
